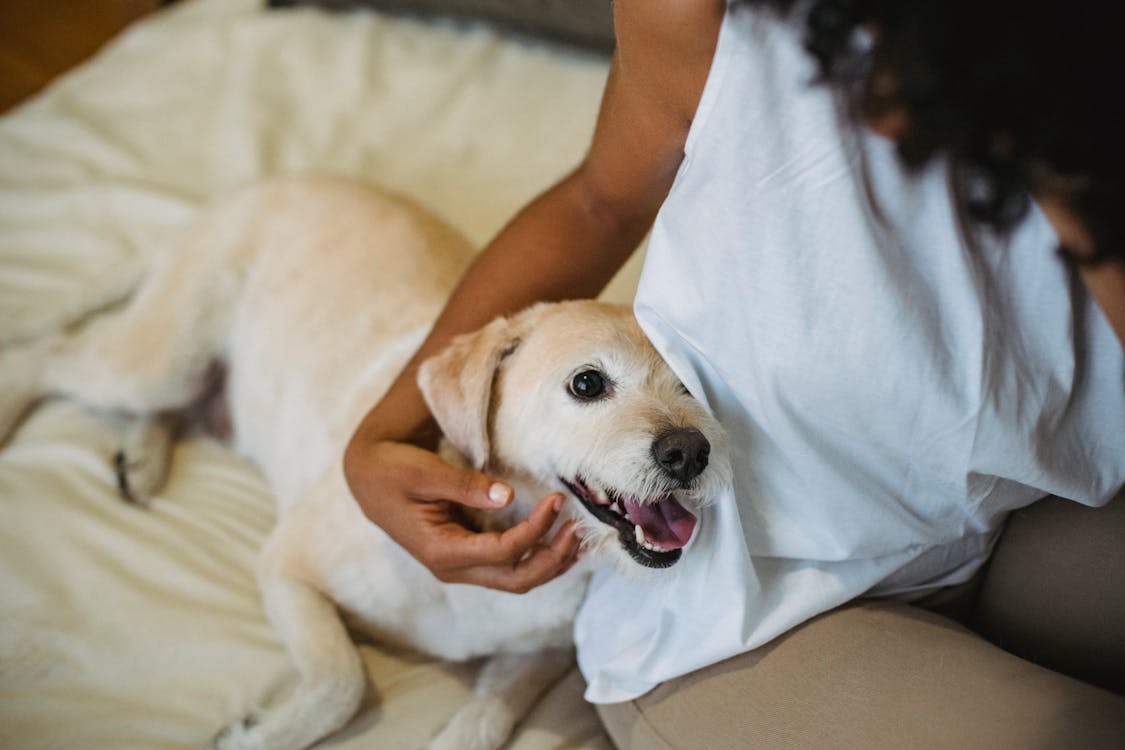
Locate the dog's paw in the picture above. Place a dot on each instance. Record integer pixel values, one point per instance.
(136, 478)
(484, 724)
(238, 735)
(142, 463)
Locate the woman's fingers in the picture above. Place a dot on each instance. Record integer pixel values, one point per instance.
(543, 563)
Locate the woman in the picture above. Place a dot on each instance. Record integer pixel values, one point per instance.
(846, 266)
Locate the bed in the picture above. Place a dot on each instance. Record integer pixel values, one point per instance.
(141, 628)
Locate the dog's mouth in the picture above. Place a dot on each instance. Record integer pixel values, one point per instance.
(652, 531)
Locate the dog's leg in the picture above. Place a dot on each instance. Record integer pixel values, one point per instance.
(141, 360)
(508, 686)
(143, 363)
(147, 361)
(331, 677)
(142, 461)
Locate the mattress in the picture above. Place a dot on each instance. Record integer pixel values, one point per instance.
(123, 627)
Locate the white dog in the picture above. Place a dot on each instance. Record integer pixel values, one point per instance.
(314, 292)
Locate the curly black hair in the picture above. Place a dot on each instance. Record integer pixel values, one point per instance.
(1022, 96)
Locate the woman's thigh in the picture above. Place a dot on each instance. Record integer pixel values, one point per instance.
(1053, 591)
(872, 675)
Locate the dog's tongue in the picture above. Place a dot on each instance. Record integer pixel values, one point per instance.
(666, 523)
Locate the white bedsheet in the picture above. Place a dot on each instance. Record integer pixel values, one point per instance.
(127, 628)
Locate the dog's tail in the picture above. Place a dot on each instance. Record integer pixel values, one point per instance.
(104, 289)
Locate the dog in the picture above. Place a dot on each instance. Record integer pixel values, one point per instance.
(314, 292)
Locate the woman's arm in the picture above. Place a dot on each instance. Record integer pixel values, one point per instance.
(567, 243)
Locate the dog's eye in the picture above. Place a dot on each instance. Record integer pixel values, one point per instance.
(587, 385)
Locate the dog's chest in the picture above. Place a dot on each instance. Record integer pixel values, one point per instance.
(387, 594)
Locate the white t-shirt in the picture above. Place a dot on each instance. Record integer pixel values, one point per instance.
(893, 382)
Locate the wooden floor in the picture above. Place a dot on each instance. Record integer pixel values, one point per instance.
(41, 38)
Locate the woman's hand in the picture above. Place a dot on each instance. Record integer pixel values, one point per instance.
(415, 496)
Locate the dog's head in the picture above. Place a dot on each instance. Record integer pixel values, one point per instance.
(573, 396)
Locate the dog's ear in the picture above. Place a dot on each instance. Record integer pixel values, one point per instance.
(457, 385)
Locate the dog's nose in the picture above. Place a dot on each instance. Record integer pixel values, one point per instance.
(682, 453)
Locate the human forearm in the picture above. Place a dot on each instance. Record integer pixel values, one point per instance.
(565, 244)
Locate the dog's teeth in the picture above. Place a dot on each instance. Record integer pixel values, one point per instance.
(639, 533)
(602, 497)
(616, 508)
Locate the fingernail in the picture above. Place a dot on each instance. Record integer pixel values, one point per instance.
(559, 500)
(499, 493)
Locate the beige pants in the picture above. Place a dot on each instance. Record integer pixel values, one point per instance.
(876, 675)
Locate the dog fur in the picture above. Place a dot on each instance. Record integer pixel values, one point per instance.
(314, 292)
